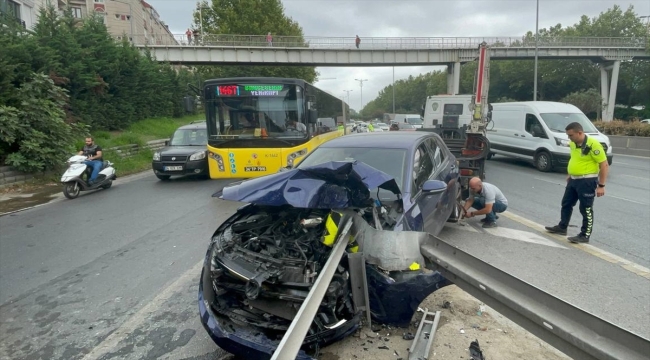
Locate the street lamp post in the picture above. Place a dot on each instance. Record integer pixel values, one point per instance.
(393, 89)
(348, 92)
(536, 40)
(361, 86)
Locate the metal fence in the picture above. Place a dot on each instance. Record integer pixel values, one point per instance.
(383, 43)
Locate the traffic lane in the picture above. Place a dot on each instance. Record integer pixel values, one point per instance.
(41, 244)
(620, 217)
(560, 269)
(74, 312)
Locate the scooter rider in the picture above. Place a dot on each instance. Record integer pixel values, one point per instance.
(93, 153)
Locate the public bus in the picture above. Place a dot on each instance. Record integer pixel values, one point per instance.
(257, 125)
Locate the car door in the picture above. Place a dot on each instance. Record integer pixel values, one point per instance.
(445, 168)
(428, 204)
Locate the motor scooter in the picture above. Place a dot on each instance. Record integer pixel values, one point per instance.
(75, 178)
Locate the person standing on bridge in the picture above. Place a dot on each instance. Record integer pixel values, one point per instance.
(189, 36)
(587, 173)
(269, 39)
(357, 41)
(487, 199)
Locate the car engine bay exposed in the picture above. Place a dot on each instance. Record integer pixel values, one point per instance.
(267, 261)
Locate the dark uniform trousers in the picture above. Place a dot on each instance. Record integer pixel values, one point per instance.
(583, 189)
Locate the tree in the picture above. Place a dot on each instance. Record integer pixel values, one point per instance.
(249, 17)
(588, 101)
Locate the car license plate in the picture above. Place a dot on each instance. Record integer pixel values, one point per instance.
(255, 168)
(173, 168)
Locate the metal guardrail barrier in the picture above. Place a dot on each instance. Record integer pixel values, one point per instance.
(295, 335)
(569, 329)
(396, 43)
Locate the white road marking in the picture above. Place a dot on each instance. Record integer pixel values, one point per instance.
(521, 235)
(621, 198)
(637, 177)
(550, 181)
(590, 249)
(121, 333)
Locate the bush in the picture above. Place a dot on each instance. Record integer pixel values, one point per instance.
(623, 128)
(35, 133)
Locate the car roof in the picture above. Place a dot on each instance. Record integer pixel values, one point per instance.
(200, 124)
(392, 139)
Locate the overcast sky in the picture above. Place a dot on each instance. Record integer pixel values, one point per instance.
(402, 18)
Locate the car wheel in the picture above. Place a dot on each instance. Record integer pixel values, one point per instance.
(71, 190)
(456, 212)
(543, 161)
(163, 177)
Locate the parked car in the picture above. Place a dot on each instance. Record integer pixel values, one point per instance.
(646, 121)
(184, 154)
(399, 188)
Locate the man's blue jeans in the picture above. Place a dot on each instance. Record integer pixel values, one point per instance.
(497, 207)
(96, 165)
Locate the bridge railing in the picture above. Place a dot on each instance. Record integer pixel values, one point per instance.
(398, 43)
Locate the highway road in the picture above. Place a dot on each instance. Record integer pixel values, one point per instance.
(621, 217)
(114, 274)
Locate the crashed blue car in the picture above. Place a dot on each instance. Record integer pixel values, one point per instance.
(400, 187)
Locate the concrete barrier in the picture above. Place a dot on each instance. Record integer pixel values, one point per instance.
(630, 145)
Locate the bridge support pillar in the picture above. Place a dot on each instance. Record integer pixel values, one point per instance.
(608, 89)
(453, 78)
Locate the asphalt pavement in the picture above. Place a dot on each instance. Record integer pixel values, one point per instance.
(114, 274)
(621, 217)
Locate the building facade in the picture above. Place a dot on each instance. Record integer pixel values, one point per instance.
(135, 20)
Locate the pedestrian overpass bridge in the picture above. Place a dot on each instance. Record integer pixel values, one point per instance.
(404, 51)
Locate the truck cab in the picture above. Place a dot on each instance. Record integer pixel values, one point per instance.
(447, 112)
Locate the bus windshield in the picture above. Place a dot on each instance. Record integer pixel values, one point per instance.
(256, 111)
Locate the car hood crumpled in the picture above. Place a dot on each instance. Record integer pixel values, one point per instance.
(331, 185)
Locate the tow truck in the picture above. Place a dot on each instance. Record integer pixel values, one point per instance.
(443, 114)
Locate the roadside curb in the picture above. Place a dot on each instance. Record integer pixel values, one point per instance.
(120, 180)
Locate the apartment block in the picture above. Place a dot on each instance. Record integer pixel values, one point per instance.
(135, 20)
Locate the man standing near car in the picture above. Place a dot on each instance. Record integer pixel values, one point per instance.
(487, 199)
(93, 153)
(587, 173)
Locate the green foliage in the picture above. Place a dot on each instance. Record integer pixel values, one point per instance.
(110, 84)
(33, 130)
(250, 17)
(624, 128)
(588, 101)
(558, 80)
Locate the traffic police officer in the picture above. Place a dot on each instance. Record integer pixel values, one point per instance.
(587, 173)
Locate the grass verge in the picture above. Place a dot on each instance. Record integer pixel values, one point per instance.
(138, 133)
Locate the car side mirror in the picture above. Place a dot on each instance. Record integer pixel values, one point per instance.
(312, 116)
(434, 186)
(166, 142)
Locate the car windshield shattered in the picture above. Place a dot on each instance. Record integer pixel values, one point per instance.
(190, 137)
(263, 261)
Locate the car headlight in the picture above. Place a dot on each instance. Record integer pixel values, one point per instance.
(561, 142)
(294, 155)
(156, 156)
(197, 156)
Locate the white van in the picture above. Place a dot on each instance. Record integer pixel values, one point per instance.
(534, 130)
(413, 119)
